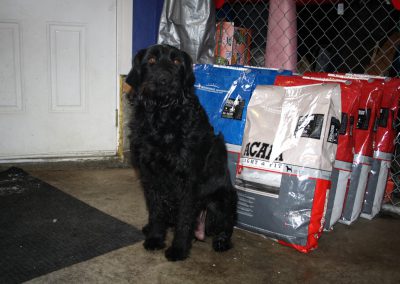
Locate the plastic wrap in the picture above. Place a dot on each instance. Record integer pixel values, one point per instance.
(341, 171)
(190, 26)
(224, 92)
(267, 76)
(368, 110)
(383, 149)
(283, 176)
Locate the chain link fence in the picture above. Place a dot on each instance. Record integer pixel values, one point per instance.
(355, 36)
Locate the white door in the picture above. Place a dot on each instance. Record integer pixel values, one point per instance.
(58, 78)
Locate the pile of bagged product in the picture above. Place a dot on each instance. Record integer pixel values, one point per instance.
(304, 152)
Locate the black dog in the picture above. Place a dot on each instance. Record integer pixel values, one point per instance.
(182, 164)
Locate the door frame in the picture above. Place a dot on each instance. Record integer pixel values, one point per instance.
(124, 36)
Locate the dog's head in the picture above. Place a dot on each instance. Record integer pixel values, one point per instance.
(161, 71)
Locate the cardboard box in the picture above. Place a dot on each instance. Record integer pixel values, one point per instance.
(232, 44)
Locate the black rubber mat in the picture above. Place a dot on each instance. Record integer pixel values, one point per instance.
(43, 229)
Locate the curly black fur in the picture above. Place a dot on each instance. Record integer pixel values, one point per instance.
(182, 164)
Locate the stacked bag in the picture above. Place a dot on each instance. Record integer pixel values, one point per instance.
(225, 92)
(304, 152)
(383, 148)
(284, 170)
(374, 137)
(370, 97)
(341, 171)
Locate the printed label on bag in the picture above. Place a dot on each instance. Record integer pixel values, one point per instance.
(261, 175)
(334, 130)
(351, 125)
(260, 150)
(233, 109)
(343, 124)
(383, 117)
(363, 119)
(309, 126)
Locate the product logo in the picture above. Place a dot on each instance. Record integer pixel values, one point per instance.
(233, 108)
(364, 116)
(260, 150)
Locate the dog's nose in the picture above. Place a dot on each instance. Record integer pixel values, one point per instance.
(163, 81)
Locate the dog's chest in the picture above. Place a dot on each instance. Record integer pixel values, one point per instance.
(171, 141)
(164, 136)
(162, 142)
(162, 128)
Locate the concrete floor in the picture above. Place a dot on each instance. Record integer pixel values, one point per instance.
(366, 252)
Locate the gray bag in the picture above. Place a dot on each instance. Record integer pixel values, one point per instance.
(190, 26)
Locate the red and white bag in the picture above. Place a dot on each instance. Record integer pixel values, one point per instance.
(341, 171)
(384, 143)
(368, 110)
(288, 149)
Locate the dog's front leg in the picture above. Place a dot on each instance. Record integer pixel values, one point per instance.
(184, 232)
(156, 229)
(155, 233)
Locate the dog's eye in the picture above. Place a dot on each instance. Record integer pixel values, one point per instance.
(177, 61)
(152, 60)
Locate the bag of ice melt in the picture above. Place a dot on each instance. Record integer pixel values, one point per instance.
(283, 176)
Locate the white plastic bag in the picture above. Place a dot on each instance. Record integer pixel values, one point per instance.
(288, 149)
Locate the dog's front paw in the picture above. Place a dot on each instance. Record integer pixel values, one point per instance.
(221, 243)
(154, 244)
(146, 229)
(175, 254)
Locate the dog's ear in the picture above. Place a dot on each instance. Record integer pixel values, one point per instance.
(189, 75)
(134, 77)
